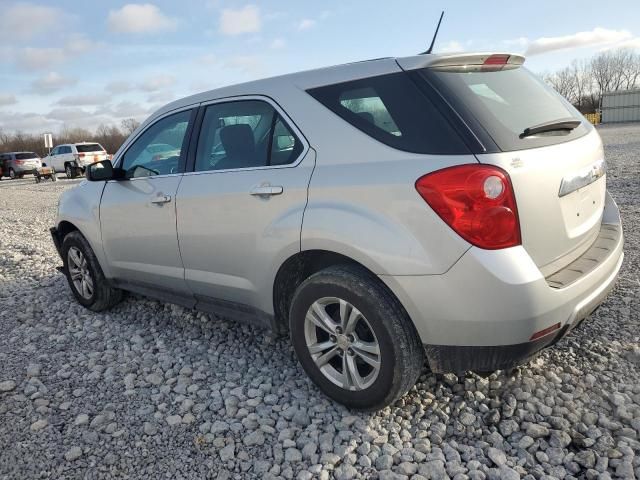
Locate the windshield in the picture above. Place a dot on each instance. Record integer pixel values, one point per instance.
(26, 156)
(89, 147)
(506, 102)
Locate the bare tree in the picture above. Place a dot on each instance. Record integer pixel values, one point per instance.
(129, 125)
(564, 82)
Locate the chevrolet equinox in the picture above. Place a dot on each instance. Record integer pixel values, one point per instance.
(447, 208)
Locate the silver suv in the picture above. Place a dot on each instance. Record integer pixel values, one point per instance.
(18, 164)
(452, 208)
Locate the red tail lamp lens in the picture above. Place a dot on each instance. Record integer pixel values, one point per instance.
(476, 201)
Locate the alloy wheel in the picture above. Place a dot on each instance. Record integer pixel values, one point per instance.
(79, 273)
(342, 343)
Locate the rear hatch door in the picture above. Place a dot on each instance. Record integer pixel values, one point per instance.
(552, 154)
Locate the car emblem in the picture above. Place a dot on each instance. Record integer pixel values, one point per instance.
(581, 179)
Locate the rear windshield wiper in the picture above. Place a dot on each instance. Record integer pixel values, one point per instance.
(567, 124)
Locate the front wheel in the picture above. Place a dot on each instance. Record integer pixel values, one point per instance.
(354, 339)
(85, 277)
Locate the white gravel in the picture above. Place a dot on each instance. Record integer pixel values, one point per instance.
(151, 390)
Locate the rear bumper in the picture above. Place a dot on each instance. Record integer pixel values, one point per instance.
(484, 311)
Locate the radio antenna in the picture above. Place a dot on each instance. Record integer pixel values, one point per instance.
(433, 40)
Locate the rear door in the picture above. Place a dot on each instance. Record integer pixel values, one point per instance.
(240, 210)
(138, 214)
(557, 175)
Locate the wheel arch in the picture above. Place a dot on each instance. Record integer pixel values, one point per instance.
(300, 266)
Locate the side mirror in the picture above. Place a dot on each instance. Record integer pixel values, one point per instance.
(102, 171)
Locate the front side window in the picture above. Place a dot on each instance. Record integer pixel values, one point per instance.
(244, 134)
(159, 149)
(394, 111)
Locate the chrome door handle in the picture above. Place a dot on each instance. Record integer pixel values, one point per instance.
(266, 190)
(160, 199)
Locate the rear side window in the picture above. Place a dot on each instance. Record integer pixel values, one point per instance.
(25, 156)
(391, 109)
(506, 102)
(89, 147)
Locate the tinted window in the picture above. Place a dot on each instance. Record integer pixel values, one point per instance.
(505, 102)
(25, 156)
(159, 149)
(244, 134)
(65, 149)
(392, 109)
(89, 147)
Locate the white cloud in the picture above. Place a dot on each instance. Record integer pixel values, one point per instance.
(83, 100)
(633, 43)
(139, 18)
(246, 63)
(7, 99)
(127, 109)
(119, 86)
(25, 20)
(26, 121)
(306, 24)
(69, 114)
(278, 43)
(157, 82)
(78, 43)
(161, 97)
(450, 47)
(40, 58)
(243, 20)
(596, 37)
(51, 82)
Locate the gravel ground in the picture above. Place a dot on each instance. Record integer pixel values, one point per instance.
(151, 390)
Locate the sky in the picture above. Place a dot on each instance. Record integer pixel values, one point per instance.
(71, 63)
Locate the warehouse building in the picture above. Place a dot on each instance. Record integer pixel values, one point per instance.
(621, 106)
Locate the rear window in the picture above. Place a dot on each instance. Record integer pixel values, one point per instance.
(505, 102)
(89, 147)
(26, 156)
(391, 109)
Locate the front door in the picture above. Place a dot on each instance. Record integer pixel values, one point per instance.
(138, 213)
(240, 211)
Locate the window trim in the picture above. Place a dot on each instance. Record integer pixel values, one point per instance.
(188, 134)
(195, 137)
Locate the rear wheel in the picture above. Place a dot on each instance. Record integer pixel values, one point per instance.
(354, 339)
(12, 174)
(85, 277)
(70, 170)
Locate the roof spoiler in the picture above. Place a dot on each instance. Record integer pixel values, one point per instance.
(463, 61)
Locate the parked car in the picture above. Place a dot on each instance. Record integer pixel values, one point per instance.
(18, 164)
(447, 206)
(73, 158)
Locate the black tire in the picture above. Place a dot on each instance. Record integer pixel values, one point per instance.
(70, 171)
(12, 174)
(401, 352)
(54, 178)
(104, 296)
(37, 177)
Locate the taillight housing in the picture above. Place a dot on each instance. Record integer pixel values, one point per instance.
(476, 201)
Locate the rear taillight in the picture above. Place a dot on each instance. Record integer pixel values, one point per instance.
(19, 162)
(81, 155)
(476, 201)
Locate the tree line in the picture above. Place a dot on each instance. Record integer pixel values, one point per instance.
(585, 81)
(109, 136)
